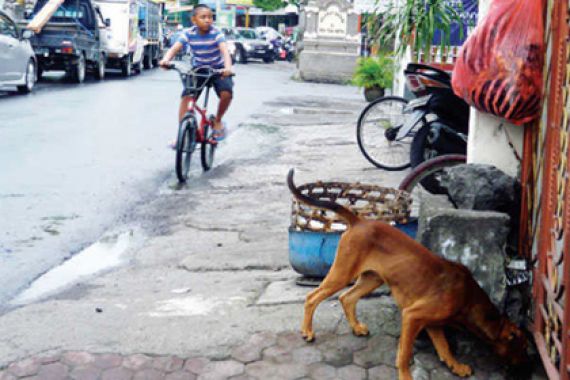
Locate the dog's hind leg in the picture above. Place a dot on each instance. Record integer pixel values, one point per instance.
(365, 284)
(412, 324)
(440, 342)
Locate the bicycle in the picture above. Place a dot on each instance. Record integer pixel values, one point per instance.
(192, 131)
(376, 132)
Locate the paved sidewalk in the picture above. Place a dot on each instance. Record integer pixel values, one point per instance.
(211, 294)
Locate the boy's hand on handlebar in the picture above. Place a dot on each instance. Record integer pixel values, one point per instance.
(227, 72)
(165, 64)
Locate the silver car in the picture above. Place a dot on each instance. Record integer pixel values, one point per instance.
(18, 66)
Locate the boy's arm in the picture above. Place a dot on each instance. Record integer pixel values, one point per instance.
(171, 53)
(227, 59)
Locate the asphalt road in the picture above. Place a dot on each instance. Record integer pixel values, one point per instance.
(77, 160)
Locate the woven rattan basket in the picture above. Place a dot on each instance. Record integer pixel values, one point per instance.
(368, 201)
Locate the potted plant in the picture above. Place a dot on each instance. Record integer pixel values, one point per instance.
(374, 74)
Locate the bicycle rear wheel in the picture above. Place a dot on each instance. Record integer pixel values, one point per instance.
(207, 149)
(185, 146)
(422, 179)
(376, 131)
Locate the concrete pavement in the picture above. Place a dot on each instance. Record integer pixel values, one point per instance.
(213, 296)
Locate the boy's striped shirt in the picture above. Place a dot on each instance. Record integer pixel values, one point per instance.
(205, 48)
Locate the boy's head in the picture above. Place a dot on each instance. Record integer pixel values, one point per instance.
(202, 17)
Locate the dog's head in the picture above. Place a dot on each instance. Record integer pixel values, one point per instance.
(512, 344)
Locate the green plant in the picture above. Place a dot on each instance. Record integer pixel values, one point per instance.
(415, 22)
(374, 72)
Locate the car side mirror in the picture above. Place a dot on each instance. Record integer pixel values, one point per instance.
(27, 34)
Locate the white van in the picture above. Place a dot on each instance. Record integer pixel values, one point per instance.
(124, 45)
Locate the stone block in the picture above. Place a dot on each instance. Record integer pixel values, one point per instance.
(475, 239)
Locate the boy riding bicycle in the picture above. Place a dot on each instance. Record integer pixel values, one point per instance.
(209, 50)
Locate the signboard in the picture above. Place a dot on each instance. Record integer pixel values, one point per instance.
(332, 22)
(245, 3)
(468, 11)
(225, 19)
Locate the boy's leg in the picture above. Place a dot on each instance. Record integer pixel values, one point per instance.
(225, 100)
(224, 89)
(183, 107)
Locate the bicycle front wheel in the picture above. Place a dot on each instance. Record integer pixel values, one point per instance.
(207, 149)
(377, 127)
(185, 146)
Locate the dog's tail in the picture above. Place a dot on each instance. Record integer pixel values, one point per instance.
(342, 211)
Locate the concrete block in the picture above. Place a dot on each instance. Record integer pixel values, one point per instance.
(475, 239)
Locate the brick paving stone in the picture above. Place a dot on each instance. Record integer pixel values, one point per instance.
(419, 373)
(322, 371)
(77, 358)
(351, 372)
(442, 373)
(338, 351)
(149, 374)
(4, 375)
(264, 339)
(180, 375)
(85, 373)
(480, 375)
(137, 362)
(26, 367)
(242, 377)
(48, 358)
(277, 354)
(266, 370)
(196, 365)
(119, 373)
(427, 360)
(381, 350)
(382, 372)
(221, 370)
(307, 355)
(53, 371)
(106, 361)
(168, 363)
(247, 353)
(291, 340)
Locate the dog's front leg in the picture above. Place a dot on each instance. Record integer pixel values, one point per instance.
(411, 326)
(440, 342)
(327, 288)
(365, 284)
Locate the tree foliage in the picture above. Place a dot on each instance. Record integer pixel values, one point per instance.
(415, 23)
(269, 5)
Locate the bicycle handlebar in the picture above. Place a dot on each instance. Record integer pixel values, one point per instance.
(195, 71)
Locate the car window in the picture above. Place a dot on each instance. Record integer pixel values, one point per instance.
(7, 27)
(247, 34)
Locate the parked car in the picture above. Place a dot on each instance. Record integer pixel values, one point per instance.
(249, 45)
(18, 65)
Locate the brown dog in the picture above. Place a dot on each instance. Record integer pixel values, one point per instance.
(431, 291)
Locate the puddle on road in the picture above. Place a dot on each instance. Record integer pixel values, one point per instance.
(102, 255)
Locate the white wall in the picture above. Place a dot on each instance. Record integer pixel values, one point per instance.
(488, 141)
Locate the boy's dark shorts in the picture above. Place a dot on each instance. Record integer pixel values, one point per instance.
(219, 83)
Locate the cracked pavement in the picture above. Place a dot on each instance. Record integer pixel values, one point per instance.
(211, 295)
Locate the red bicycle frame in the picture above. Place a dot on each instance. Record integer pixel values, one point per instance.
(205, 120)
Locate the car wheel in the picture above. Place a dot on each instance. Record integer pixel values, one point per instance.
(30, 78)
(240, 56)
(78, 70)
(126, 67)
(100, 69)
(139, 66)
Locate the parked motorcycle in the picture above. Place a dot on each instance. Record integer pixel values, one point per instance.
(394, 133)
